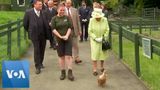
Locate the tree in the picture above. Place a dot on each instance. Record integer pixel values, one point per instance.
(151, 3)
(112, 3)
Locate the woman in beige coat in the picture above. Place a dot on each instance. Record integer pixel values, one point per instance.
(98, 27)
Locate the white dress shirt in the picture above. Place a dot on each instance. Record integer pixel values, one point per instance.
(37, 12)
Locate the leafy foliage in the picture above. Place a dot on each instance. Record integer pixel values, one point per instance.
(152, 3)
(112, 3)
(128, 2)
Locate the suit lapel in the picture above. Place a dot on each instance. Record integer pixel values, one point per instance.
(33, 14)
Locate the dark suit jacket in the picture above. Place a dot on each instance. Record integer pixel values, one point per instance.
(30, 25)
(44, 6)
(84, 13)
(48, 16)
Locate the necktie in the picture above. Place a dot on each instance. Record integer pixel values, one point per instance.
(69, 15)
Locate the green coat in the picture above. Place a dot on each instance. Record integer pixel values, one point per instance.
(95, 30)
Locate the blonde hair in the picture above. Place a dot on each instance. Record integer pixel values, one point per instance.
(60, 5)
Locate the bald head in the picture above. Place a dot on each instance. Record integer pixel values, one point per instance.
(68, 3)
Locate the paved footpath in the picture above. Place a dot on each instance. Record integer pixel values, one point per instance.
(119, 77)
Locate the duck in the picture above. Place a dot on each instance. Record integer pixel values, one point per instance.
(102, 79)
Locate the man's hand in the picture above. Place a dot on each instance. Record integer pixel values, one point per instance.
(50, 24)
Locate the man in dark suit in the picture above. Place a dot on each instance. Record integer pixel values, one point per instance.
(84, 13)
(49, 13)
(35, 25)
(45, 4)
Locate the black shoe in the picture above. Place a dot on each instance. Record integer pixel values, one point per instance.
(70, 75)
(95, 73)
(78, 61)
(80, 40)
(42, 66)
(54, 47)
(63, 75)
(38, 71)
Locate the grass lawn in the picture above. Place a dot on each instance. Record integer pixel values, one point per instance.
(149, 33)
(150, 71)
(5, 1)
(10, 16)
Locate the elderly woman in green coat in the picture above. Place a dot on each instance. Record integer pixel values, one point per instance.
(98, 27)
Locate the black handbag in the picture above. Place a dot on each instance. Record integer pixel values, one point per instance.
(105, 45)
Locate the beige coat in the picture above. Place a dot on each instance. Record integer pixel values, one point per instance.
(75, 20)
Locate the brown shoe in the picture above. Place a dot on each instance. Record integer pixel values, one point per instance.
(102, 69)
(70, 75)
(63, 74)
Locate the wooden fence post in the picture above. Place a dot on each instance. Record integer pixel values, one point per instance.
(140, 26)
(136, 43)
(18, 35)
(110, 35)
(25, 35)
(9, 41)
(120, 43)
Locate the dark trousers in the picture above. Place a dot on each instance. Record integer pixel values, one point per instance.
(51, 39)
(84, 32)
(39, 49)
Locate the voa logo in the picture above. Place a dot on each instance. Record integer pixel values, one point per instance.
(14, 74)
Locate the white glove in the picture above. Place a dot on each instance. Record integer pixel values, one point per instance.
(85, 20)
(64, 37)
(98, 39)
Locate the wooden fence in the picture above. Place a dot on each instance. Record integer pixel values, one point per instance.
(6, 40)
(140, 24)
(151, 13)
(136, 38)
